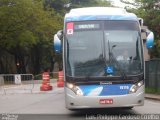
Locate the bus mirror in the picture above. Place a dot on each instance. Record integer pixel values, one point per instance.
(57, 44)
(57, 41)
(150, 40)
(60, 34)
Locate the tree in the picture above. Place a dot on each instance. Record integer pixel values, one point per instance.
(61, 6)
(90, 3)
(24, 25)
(149, 10)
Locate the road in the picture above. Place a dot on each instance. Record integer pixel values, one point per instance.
(48, 106)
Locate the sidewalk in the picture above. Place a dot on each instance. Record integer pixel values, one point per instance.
(27, 88)
(152, 96)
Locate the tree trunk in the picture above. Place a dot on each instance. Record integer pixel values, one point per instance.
(20, 63)
(35, 59)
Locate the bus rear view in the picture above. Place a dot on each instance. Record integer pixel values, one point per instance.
(102, 59)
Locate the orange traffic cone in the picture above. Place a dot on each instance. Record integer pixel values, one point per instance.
(46, 82)
(60, 81)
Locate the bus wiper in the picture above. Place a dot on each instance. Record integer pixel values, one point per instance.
(113, 60)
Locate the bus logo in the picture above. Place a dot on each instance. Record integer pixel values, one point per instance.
(105, 83)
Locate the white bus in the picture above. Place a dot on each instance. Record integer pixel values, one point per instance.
(103, 59)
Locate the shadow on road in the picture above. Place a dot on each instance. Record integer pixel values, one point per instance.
(103, 114)
(107, 111)
(87, 114)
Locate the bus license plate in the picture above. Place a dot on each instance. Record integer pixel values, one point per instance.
(106, 101)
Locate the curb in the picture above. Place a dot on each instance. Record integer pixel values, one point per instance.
(152, 97)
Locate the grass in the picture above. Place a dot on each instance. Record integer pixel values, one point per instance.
(152, 90)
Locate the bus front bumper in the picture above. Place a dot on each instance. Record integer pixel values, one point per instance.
(80, 102)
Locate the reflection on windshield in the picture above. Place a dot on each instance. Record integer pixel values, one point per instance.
(126, 54)
(87, 52)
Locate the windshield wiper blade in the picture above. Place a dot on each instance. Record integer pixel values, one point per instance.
(117, 63)
(112, 59)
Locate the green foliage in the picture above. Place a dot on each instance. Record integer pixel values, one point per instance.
(59, 5)
(152, 90)
(149, 10)
(89, 3)
(23, 22)
(24, 25)
(24, 36)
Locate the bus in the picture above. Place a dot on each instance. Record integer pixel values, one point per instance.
(94, 44)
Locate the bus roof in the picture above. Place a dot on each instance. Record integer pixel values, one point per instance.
(99, 13)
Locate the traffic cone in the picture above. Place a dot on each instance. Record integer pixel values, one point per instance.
(46, 82)
(60, 81)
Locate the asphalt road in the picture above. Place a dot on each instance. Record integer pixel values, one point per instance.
(51, 106)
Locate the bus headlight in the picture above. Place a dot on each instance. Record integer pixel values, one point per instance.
(70, 85)
(75, 89)
(78, 91)
(139, 84)
(135, 87)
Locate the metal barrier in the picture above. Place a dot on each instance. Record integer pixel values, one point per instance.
(10, 83)
(53, 75)
(152, 82)
(24, 83)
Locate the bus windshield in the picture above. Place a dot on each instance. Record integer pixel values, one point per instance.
(92, 46)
